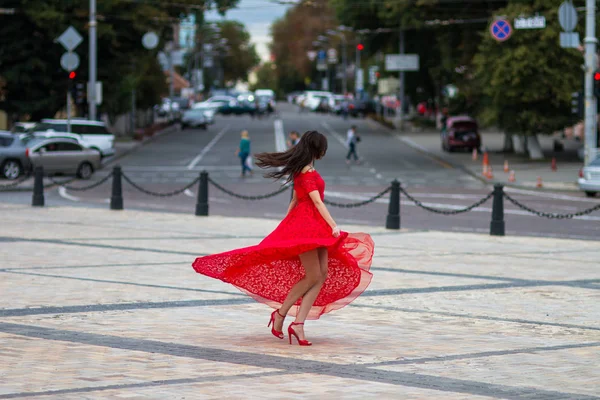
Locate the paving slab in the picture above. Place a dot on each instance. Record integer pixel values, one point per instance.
(100, 304)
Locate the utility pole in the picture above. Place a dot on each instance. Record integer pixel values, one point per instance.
(345, 65)
(401, 85)
(356, 73)
(92, 62)
(591, 118)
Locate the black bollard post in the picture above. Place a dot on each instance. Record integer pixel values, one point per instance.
(38, 187)
(497, 224)
(116, 199)
(393, 217)
(202, 202)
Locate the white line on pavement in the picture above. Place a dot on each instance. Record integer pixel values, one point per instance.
(547, 195)
(354, 197)
(189, 193)
(335, 134)
(208, 147)
(62, 191)
(280, 145)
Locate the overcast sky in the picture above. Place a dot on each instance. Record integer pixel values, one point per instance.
(257, 15)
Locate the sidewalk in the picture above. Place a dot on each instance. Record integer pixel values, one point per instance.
(122, 148)
(526, 171)
(104, 304)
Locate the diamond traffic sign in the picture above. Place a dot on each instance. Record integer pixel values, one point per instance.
(70, 39)
(69, 61)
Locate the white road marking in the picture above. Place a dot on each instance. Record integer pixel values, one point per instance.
(62, 191)
(335, 134)
(280, 145)
(209, 146)
(189, 193)
(354, 197)
(554, 196)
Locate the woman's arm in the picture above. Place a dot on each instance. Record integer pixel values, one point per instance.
(322, 208)
(293, 202)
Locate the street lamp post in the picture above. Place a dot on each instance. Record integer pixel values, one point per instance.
(92, 62)
(344, 58)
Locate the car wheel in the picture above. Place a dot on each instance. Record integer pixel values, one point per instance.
(590, 194)
(12, 169)
(85, 170)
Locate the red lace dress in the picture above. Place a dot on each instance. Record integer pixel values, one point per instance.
(268, 270)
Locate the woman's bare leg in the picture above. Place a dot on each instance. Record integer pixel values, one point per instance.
(309, 298)
(310, 262)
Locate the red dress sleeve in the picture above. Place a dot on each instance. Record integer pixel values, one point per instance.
(309, 183)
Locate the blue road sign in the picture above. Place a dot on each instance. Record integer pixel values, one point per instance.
(322, 55)
(501, 30)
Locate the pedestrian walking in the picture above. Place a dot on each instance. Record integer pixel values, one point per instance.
(307, 266)
(293, 140)
(244, 153)
(352, 138)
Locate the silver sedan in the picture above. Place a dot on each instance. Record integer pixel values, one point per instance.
(64, 156)
(589, 178)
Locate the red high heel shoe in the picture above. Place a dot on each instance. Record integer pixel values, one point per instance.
(272, 321)
(291, 332)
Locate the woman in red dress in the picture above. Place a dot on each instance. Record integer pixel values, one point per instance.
(306, 267)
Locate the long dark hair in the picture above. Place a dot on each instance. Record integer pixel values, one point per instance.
(312, 146)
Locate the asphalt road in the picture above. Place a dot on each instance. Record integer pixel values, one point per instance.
(173, 160)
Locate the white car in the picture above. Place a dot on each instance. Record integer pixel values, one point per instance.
(92, 134)
(317, 100)
(589, 178)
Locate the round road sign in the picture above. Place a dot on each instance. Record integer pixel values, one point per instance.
(501, 30)
(567, 16)
(150, 40)
(69, 61)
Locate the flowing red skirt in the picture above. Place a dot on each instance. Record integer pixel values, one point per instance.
(268, 270)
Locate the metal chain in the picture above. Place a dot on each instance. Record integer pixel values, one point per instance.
(551, 215)
(360, 203)
(447, 212)
(14, 183)
(83, 188)
(168, 194)
(243, 197)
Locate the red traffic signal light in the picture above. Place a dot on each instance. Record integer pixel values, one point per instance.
(360, 47)
(597, 76)
(72, 75)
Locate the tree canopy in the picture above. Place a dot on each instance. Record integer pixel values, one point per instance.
(34, 82)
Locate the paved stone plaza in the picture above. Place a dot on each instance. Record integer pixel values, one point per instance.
(97, 304)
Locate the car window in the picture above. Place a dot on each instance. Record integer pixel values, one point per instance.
(55, 127)
(6, 141)
(50, 147)
(66, 146)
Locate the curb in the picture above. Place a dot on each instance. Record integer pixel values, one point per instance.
(466, 170)
(167, 130)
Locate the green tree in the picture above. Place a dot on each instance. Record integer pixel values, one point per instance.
(241, 56)
(266, 77)
(525, 83)
(34, 83)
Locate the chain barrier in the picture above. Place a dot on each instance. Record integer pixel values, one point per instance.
(360, 203)
(551, 215)
(447, 212)
(156, 194)
(14, 183)
(57, 183)
(243, 197)
(83, 188)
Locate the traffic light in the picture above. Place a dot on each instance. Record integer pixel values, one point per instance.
(360, 47)
(80, 93)
(72, 75)
(577, 101)
(597, 83)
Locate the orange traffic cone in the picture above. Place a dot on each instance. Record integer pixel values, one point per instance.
(486, 159)
(485, 170)
(506, 166)
(511, 177)
(490, 173)
(539, 182)
(475, 154)
(553, 166)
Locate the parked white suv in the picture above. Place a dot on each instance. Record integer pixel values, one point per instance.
(92, 134)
